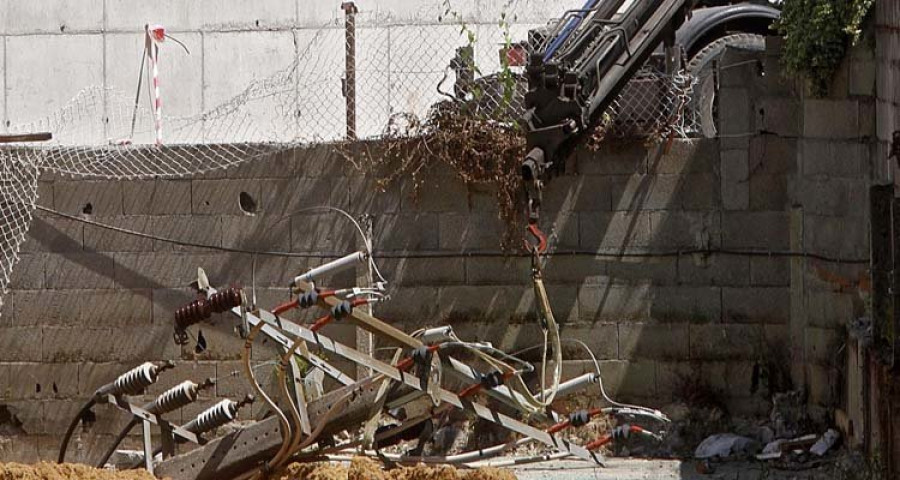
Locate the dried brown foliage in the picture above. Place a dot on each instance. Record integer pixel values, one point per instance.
(362, 468)
(66, 471)
(482, 152)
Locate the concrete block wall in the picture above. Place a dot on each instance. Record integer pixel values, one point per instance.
(885, 81)
(89, 303)
(811, 162)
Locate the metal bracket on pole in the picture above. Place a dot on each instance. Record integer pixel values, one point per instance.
(365, 341)
(148, 447)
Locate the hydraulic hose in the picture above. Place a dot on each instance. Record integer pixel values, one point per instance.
(81, 413)
(248, 370)
(320, 426)
(289, 444)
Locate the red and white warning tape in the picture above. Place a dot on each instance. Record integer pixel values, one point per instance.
(156, 34)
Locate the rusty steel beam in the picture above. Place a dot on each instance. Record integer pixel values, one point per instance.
(250, 447)
(445, 396)
(246, 449)
(460, 370)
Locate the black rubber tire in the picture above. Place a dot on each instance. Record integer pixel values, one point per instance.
(701, 67)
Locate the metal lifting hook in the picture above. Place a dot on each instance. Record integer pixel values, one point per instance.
(540, 245)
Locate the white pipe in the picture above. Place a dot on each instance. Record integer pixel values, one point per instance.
(437, 334)
(334, 266)
(574, 385)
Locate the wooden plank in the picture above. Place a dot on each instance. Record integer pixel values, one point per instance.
(26, 137)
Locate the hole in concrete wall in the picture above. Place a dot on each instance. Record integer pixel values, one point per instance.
(62, 28)
(9, 423)
(37, 388)
(55, 388)
(88, 209)
(247, 203)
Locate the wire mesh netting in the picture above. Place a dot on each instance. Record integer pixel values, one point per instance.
(341, 84)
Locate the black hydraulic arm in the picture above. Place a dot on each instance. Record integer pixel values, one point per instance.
(578, 69)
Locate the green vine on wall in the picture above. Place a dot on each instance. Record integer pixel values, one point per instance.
(817, 34)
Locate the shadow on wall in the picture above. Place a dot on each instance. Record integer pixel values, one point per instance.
(651, 321)
(656, 320)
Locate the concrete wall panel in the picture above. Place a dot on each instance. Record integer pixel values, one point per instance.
(68, 64)
(180, 74)
(53, 16)
(232, 62)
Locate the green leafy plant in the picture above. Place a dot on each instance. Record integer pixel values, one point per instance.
(817, 34)
(490, 96)
(507, 77)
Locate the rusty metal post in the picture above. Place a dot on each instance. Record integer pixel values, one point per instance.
(350, 12)
(365, 340)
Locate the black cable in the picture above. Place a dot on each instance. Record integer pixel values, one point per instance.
(112, 449)
(81, 413)
(612, 253)
(174, 241)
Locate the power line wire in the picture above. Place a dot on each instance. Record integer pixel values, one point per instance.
(479, 253)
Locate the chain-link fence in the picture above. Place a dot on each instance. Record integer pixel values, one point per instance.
(356, 80)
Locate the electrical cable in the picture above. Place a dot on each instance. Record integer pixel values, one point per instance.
(282, 419)
(75, 421)
(654, 413)
(527, 367)
(367, 242)
(285, 393)
(612, 253)
(339, 404)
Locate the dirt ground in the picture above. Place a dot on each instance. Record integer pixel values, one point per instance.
(54, 471)
(367, 469)
(359, 469)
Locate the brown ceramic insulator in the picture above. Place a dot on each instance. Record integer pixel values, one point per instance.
(203, 308)
(225, 300)
(192, 313)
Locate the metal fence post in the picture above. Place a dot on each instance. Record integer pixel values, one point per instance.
(350, 12)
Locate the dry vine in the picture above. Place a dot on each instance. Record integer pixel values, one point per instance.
(488, 153)
(480, 151)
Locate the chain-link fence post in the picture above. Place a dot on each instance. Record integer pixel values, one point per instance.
(350, 12)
